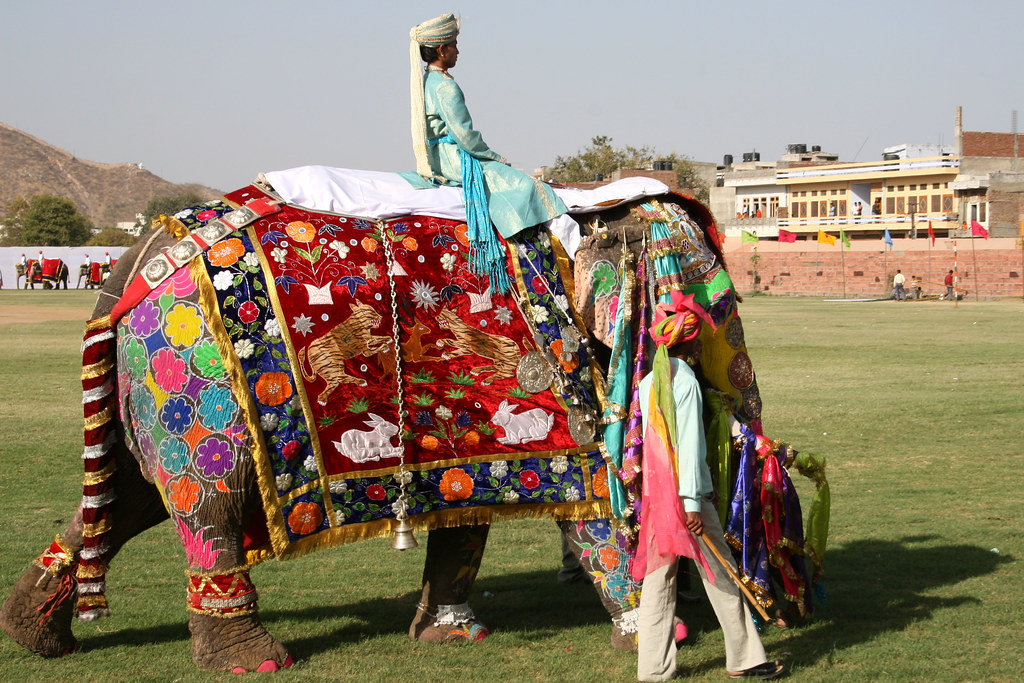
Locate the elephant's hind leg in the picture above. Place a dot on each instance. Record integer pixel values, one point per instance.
(453, 559)
(39, 611)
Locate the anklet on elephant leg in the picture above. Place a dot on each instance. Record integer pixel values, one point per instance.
(231, 594)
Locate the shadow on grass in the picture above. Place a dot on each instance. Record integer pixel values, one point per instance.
(873, 587)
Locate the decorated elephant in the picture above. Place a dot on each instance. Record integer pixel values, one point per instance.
(94, 274)
(281, 375)
(31, 271)
(54, 273)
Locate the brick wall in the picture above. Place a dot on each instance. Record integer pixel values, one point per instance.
(992, 273)
(977, 144)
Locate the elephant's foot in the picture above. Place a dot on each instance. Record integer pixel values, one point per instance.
(238, 644)
(39, 611)
(447, 624)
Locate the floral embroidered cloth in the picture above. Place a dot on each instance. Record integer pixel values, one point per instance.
(299, 305)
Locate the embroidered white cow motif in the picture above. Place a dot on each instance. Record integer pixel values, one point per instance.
(531, 425)
(367, 446)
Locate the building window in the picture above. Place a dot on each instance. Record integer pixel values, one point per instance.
(814, 193)
(913, 187)
(899, 188)
(773, 207)
(947, 203)
(901, 205)
(936, 203)
(935, 186)
(890, 205)
(814, 209)
(842, 207)
(922, 204)
(803, 209)
(982, 211)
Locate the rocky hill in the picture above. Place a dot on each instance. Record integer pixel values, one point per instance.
(105, 193)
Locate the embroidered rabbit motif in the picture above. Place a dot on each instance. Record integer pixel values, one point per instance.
(531, 425)
(366, 446)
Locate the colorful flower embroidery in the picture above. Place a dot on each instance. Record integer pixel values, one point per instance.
(609, 557)
(529, 480)
(291, 449)
(144, 408)
(600, 528)
(135, 358)
(206, 358)
(176, 415)
(248, 311)
(217, 408)
(226, 252)
(214, 457)
(145, 319)
(184, 494)
(499, 468)
(559, 464)
(223, 280)
(244, 348)
(305, 518)
(604, 279)
(456, 485)
(600, 483)
(174, 454)
(273, 388)
(375, 492)
(183, 325)
(300, 231)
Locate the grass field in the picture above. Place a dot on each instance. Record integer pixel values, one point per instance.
(916, 406)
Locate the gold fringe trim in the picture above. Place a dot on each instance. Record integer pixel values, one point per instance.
(96, 528)
(443, 519)
(97, 369)
(205, 575)
(89, 571)
(85, 601)
(100, 476)
(98, 324)
(99, 419)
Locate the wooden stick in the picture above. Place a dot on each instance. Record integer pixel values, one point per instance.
(732, 573)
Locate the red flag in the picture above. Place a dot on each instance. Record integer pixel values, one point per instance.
(787, 236)
(931, 233)
(977, 229)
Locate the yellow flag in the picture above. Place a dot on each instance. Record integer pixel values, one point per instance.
(826, 238)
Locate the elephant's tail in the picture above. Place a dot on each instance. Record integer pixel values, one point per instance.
(99, 401)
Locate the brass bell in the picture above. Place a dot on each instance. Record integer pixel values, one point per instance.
(404, 539)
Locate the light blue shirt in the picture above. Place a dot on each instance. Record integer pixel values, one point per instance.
(691, 450)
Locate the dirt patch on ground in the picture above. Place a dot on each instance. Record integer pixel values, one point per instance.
(16, 315)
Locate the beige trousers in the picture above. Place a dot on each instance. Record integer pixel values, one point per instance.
(657, 645)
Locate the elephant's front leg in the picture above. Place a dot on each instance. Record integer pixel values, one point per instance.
(227, 633)
(601, 554)
(453, 560)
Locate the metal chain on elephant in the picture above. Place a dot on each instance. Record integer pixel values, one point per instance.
(403, 531)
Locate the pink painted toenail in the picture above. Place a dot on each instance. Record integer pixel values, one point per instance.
(268, 666)
(288, 662)
(681, 631)
(239, 670)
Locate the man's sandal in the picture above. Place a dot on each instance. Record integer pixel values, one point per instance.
(761, 672)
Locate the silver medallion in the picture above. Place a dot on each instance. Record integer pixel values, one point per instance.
(534, 373)
(582, 425)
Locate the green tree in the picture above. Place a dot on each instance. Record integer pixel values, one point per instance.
(111, 237)
(54, 222)
(600, 158)
(14, 216)
(168, 206)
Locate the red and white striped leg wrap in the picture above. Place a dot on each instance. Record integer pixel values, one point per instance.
(99, 401)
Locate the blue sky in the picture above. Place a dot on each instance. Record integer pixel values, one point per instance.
(218, 91)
